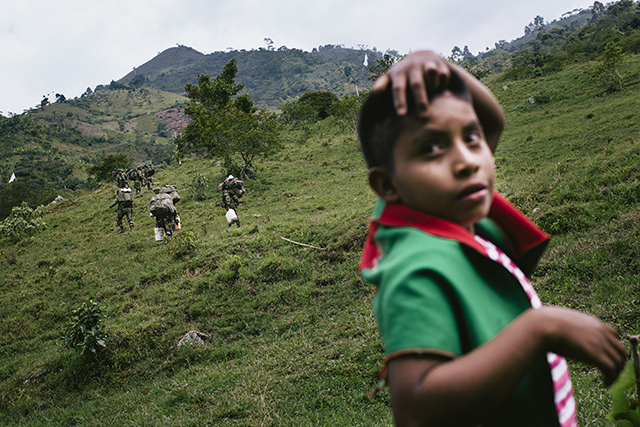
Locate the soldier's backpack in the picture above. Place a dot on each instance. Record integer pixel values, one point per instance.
(171, 190)
(237, 188)
(125, 196)
(161, 205)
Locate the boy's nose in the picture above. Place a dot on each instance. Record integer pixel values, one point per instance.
(465, 162)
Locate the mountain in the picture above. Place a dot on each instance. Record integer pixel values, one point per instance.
(269, 76)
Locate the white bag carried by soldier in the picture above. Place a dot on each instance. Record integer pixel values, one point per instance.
(231, 216)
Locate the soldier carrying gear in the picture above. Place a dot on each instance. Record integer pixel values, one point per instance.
(232, 190)
(124, 200)
(147, 173)
(135, 176)
(121, 179)
(163, 209)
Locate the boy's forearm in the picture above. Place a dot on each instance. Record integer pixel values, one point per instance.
(479, 382)
(428, 391)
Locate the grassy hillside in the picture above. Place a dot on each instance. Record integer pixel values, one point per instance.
(125, 115)
(292, 337)
(51, 147)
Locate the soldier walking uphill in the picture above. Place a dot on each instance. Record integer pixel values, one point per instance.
(121, 178)
(162, 207)
(135, 175)
(232, 190)
(124, 200)
(147, 172)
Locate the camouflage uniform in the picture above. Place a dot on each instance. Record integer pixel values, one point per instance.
(135, 176)
(164, 219)
(147, 173)
(121, 179)
(232, 191)
(123, 210)
(229, 200)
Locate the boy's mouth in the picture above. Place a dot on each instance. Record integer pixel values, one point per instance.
(473, 193)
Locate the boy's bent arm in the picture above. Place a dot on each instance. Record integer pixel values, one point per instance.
(469, 390)
(424, 70)
(486, 106)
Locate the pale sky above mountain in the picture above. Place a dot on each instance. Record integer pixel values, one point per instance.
(66, 46)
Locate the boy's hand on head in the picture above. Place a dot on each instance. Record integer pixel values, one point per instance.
(579, 336)
(422, 71)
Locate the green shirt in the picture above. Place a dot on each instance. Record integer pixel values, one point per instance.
(437, 293)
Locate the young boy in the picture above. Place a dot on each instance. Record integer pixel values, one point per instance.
(467, 341)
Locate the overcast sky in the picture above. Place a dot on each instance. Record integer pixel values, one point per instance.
(65, 46)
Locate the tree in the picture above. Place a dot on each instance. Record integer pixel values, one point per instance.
(608, 67)
(456, 55)
(269, 43)
(538, 23)
(597, 8)
(226, 127)
(216, 93)
(60, 98)
(249, 136)
(501, 44)
(347, 111)
(320, 101)
(381, 66)
(111, 162)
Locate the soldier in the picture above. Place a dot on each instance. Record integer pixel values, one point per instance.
(162, 208)
(121, 179)
(148, 171)
(124, 200)
(232, 190)
(134, 175)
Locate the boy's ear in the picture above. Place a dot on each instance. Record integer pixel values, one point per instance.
(381, 181)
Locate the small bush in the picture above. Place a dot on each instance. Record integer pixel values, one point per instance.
(182, 244)
(85, 331)
(200, 186)
(23, 221)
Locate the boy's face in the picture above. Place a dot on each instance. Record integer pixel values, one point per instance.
(443, 166)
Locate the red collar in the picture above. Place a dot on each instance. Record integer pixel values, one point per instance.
(523, 234)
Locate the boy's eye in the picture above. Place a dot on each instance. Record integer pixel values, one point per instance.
(431, 147)
(474, 137)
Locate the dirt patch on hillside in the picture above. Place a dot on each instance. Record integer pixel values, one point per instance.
(175, 118)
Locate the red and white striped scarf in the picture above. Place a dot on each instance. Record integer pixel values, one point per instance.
(563, 391)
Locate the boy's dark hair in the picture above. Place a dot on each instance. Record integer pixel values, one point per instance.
(379, 125)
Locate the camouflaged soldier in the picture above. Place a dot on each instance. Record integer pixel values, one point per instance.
(232, 190)
(162, 208)
(124, 200)
(147, 173)
(121, 179)
(135, 176)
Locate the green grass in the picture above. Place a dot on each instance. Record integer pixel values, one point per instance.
(293, 338)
